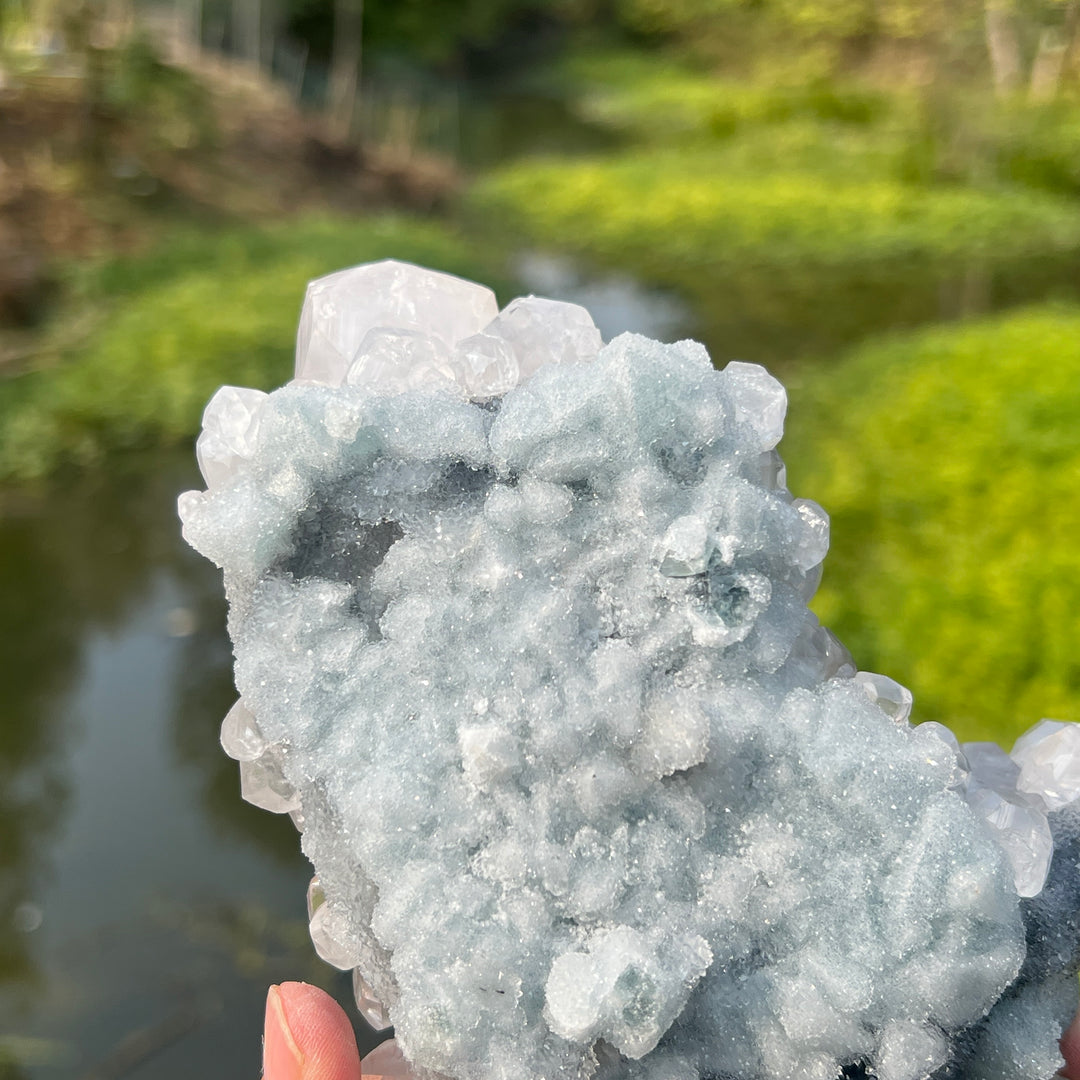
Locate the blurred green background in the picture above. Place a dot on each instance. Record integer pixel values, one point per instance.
(878, 199)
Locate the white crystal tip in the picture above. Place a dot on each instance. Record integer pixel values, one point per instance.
(393, 327)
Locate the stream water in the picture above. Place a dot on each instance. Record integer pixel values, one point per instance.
(145, 904)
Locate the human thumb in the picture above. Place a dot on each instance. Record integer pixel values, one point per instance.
(1070, 1048)
(307, 1036)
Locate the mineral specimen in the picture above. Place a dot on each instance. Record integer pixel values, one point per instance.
(522, 644)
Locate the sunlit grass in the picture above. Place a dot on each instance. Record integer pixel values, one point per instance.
(676, 215)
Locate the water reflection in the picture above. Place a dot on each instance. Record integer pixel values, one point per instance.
(616, 302)
(144, 906)
(202, 693)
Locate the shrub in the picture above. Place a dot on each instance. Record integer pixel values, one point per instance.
(950, 463)
(660, 99)
(677, 208)
(202, 310)
(788, 264)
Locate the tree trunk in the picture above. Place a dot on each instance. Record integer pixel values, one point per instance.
(1046, 70)
(1071, 34)
(1003, 44)
(247, 29)
(345, 64)
(187, 19)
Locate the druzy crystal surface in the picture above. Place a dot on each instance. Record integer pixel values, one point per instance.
(523, 646)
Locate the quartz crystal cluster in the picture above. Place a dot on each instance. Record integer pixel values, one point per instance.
(523, 646)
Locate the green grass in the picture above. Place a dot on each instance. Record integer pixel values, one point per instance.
(204, 308)
(950, 463)
(679, 214)
(657, 97)
(843, 128)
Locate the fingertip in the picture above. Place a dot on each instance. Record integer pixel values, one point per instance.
(307, 1036)
(1070, 1050)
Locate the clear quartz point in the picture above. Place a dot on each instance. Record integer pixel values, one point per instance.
(760, 401)
(240, 735)
(315, 897)
(991, 767)
(541, 331)
(329, 934)
(1021, 830)
(686, 547)
(838, 661)
(1018, 820)
(263, 784)
(813, 543)
(888, 695)
(945, 736)
(230, 427)
(485, 365)
(368, 1005)
(395, 359)
(1049, 760)
(819, 651)
(340, 309)
(386, 1060)
(772, 471)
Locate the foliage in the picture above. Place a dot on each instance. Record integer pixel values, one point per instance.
(167, 106)
(949, 461)
(836, 35)
(937, 135)
(1041, 148)
(658, 98)
(665, 17)
(435, 32)
(207, 309)
(965, 137)
(822, 36)
(678, 208)
(782, 264)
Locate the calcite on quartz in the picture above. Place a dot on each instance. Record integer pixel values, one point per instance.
(523, 647)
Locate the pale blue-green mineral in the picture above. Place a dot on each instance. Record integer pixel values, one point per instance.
(522, 644)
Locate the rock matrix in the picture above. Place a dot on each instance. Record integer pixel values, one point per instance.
(523, 646)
